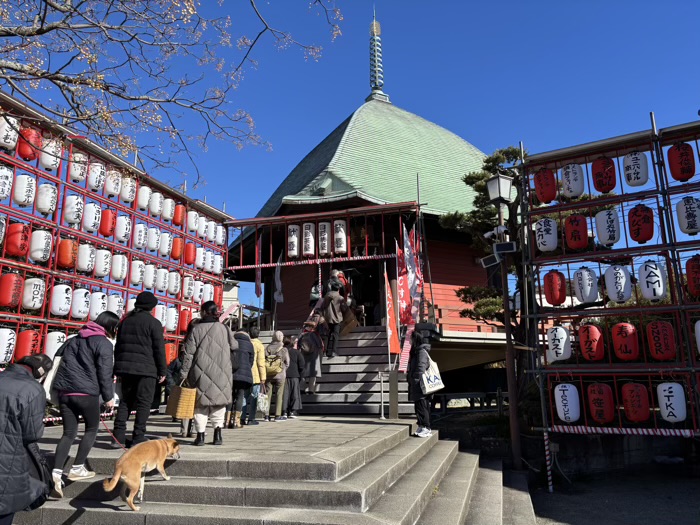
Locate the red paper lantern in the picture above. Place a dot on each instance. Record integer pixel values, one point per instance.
(692, 275)
(108, 222)
(604, 177)
(177, 249)
(641, 223)
(590, 340)
(555, 287)
(67, 253)
(17, 239)
(625, 343)
(681, 161)
(190, 253)
(179, 215)
(635, 399)
(11, 287)
(576, 232)
(29, 143)
(170, 353)
(218, 295)
(184, 322)
(545, 185)
(600, 403)
(28, 343)
(661, 341)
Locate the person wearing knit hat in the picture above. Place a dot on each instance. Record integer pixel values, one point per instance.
(139, 364)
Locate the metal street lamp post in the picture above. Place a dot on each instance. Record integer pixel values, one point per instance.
(500, 189)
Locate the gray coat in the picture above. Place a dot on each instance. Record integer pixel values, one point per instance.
(277, 348)
(207, 362)
(333, 307)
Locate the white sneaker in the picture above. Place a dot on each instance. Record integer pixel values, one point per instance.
(80, 472)
(418, 431)
(425, 433)
(57, 491)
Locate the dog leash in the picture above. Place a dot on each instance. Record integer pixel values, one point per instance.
(104, 424)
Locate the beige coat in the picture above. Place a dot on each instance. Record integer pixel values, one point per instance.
(259, 374)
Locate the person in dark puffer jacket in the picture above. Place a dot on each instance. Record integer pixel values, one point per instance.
(292, 390)
(139, 361)
(84, 375)
(242, 377)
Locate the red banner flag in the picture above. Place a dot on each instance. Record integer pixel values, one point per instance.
(392, 334)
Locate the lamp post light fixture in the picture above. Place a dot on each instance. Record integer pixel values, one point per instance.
(500, 187)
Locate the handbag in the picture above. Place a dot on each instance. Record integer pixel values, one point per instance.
(430, 380)
(181, 402)
(40, 476)
(263, 403)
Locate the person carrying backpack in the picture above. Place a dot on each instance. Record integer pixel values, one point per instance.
(276, 364)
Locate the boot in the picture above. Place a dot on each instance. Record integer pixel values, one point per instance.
(236, 420)
(227, 420)
(217, 436)
(199, 441)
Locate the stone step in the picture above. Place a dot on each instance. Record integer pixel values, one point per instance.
(358, 397)
(336, 366)
(450, 502)
(353, 359)
(486, 504)
(328, 388)
(517, 504)
(369, 377)
(408, 497)
(405, 409)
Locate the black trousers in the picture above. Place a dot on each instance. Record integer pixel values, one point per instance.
(333, 338)
(6, 519)
(238, 391)
(137, 394)
(422, 407)
(72, 407)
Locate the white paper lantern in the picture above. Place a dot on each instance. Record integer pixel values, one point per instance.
(208, 261)
(572, 181)
(199, 257)
(33, 293)
(220, 234)
(566, 399)
(192, 221)
(149, 276)
(293, 240)
(153, 239)
(558, 344)
(96, 175)
(123, 229)
(50, 157)
(546, 235)
(202, 228)
(636, 168)
(140, 236)
(46, 199)
(688, 212)
(652, 280)
(3, 227)
(86, 258)
(155, 204)
(218, 264)
(24, 190)
(61, 299)
(113, 183)
(127, 194)
(103, 262)
(165, 244)
(174, 283)
(9, 133)
(8, 338)
(671, 401)
(92, 215)
(115, 304)
(98, 304)
(198, 291)
(308, 245)
(340, 237)
(171, 318)
(81, 303)
(585, 285)
(160, 314)
(52, 342)
(40, 246)
(136, 273)
(168, 211)
(161, 279)
(618, 284)
(78, 167)
(131, 304)
(120, 265)
(143, 197)
(207, 292)
(7, 175)
(187, 287)
(607, 225)
(211, 231)
(73, 209)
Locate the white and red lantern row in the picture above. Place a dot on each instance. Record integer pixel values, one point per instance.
(332, 239)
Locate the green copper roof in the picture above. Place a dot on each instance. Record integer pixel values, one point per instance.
(376, 154)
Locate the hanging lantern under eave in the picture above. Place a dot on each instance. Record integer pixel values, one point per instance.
(122, 229)
(153, 239)
(50, 158)
(220, 235)
(208, 261)
(591, 345)
(636, 168)
(671, 402)
(635, 400)
(168, 210)
(546, 235)
(218, 295)
(202, 228)
(324, 238)
(40, 246)
(545, 185)
(113, 183)
(308, 245)
(140, 236)
(143, 197)
(130, 304)
(159, 313)
(566, 400)
(174, 283)
(136, 272)
(98, 304)
(187, 287)
(558, 344)
(24, 190)
(572, 181)
(185, 318)
(603, 172)
(340, 237)
(77, 167)
(9, 132)
(681, 161)
(33, 293)
(86, 258)
(108, 222)
(52, 342)
(625, 342)
(618, 284)
(293, 240)
(61, 300)
(179, 215)
(600, 403)
(607, 225)
(652, 280)
(155, 204)
(192, 221)
(555, 287)
(29, 143)
(166, 244)
(661, 341)
(585, 284)
(211, 231)
(80, 305)
(103, 263)
(46, 199)
(127, 193)
(171, 318)
(190, 254)
(92, 214)
(7, 176)
(17, 242)
(641, 223)
(688, 213)
(96, 175)
(218, 264)
(161, 280)
(120, 265)
(177, 248)
(8, 341)
(115, 304)
(73, 209)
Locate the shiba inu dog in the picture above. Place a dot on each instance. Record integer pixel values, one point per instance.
(131, 468)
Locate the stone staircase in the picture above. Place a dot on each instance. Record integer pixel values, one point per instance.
(307, 471)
